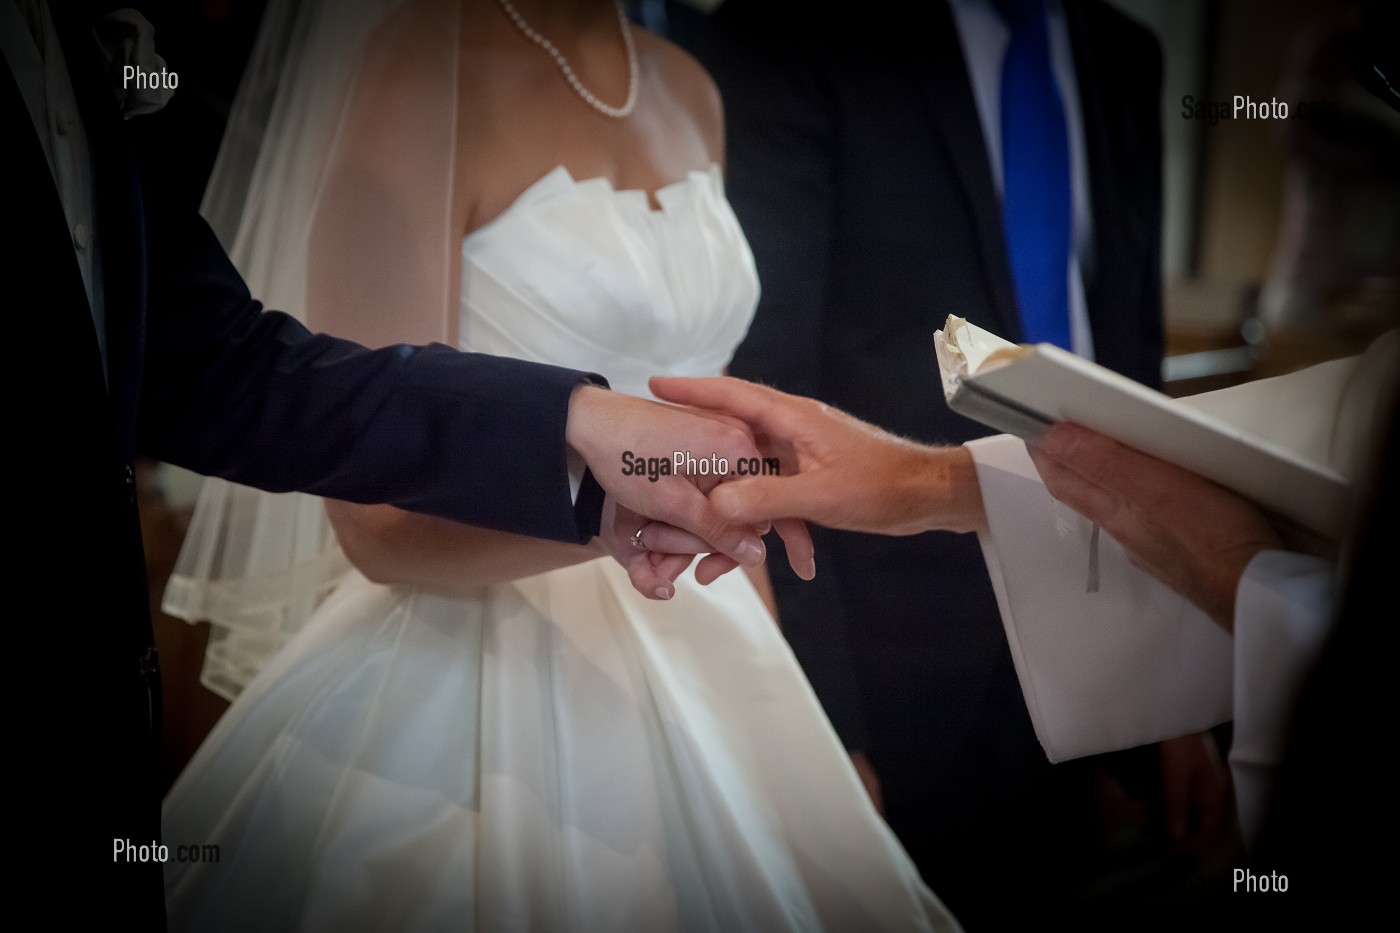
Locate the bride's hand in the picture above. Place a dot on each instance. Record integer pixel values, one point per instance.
(796, 539)
(654, 554)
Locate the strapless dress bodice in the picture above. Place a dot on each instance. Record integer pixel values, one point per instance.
(579, 274)
(555, 752)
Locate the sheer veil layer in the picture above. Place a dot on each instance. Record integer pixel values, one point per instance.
(333, 194)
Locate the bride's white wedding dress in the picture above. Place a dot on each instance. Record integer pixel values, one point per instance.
(557, 752)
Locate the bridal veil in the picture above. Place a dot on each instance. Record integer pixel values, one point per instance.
(333, 194)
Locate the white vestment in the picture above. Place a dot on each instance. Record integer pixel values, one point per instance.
(1122, 660)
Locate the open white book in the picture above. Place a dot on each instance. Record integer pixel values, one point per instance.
(1022, 389)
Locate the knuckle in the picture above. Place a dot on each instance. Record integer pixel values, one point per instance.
(733, 438)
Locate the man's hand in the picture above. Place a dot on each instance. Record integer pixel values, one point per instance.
(603, 425)
(1186, 531)
(849, 474)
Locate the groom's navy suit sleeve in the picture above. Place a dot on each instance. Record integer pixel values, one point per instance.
(233, 391)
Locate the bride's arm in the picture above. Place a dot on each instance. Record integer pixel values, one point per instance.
(399, 548)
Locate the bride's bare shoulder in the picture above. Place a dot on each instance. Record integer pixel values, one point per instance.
(687, 86)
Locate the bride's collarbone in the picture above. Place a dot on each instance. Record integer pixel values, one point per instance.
(518, 120)
(499, 143)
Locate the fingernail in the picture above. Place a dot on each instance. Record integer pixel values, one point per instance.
(750, 552)
(811, 569)
(663, 592)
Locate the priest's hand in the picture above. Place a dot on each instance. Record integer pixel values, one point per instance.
(1186, 531)
(837, 470)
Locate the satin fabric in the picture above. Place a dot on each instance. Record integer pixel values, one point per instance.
(557, 752)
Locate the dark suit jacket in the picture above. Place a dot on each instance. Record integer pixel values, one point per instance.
(857, 167)
(201, 377)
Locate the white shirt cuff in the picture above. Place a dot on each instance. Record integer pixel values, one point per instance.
(577, 467)
(1283, 612)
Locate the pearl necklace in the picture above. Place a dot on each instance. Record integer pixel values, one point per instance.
(589, 98)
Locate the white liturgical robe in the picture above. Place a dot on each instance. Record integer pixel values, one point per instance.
(1122, 660)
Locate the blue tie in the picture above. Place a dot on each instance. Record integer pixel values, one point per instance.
(1035, 208)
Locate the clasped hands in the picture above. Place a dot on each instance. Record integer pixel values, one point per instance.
(838, 471)
(834, 469)
(656, 526)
